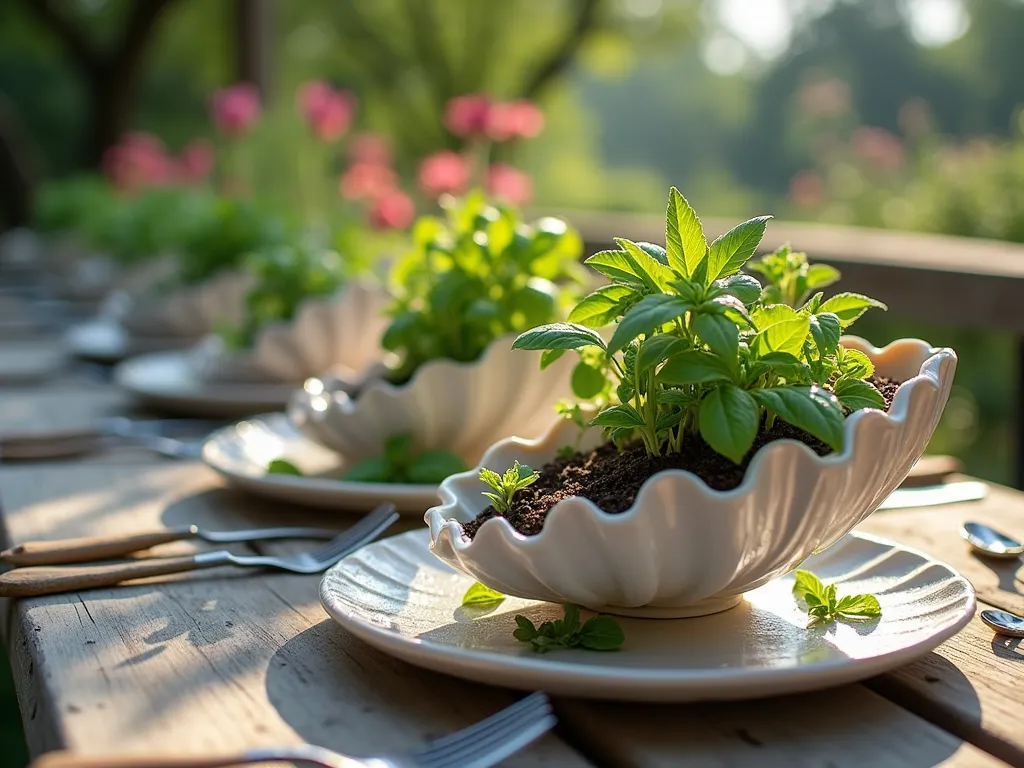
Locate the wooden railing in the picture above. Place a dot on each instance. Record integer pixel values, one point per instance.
(948, 281)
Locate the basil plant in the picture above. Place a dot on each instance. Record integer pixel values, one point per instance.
(700, 348)
(475, 275)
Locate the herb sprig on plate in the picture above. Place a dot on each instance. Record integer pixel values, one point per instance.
(598, 633)
(824, 606)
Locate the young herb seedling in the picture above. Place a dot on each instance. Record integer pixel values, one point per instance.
(479, 596)
(598, 633)
(515, 479)
(699, 348)
(400, 464)
(823, 605)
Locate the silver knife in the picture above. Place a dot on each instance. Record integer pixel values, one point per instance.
(934, 495)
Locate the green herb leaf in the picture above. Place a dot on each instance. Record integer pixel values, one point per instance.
(655, 349)
(602, 307)
(548, 356)
(571, 622)
(525, 629)
(786, 336)
(855, 394)
(616, 266)
(729, 419)
(373, 470)
(732, 250)
(283, 467)
(820, 276)
(431, 467)
(618, 416)
(398, 449)
(856, 365)
(850, 306)
(806, 583)
(601, 633)
(558, 336)
(826, 330)
(649, 314)
(719, 333)
(746, 288)
(655, 274)
(865, 606)
(480, 595)
(587, 382)
(684, 235)
(693, 367)
(812, 409)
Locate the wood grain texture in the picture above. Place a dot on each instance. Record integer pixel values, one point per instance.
(216, 661)
(849, 726)
(971, 685)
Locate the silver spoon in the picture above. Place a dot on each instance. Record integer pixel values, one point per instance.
(987, 541)
(1004, 623)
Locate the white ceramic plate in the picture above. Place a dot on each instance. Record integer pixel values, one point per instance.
(395, 595)
(167, 381)
(240, 454)
(105, 341)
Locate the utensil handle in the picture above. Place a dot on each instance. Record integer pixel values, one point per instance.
(50, 580)
(74, 760)
(49, 445)
(87, 549)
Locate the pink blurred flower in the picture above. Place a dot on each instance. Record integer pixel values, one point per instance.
(509, 184)
(138, 160)
(915, 117)
(394, 210)
(370, 148)
(829, 97)
(195, 163)
(467, 116)
(520, 119)
(367, 181)
(444, 172)
(878, 147)
(807, 190)
(235, 109)
(327, 112)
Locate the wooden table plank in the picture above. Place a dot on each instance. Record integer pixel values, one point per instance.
(849, 726)
(211, 661)
(971, 685)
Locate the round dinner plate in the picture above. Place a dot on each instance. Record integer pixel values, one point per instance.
(103, 340)
(241, 452)
(167, 381)
(395, 595)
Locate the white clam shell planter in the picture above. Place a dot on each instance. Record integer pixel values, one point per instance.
(340, 334)
(458, 407)
(188, 312)
(684, 549)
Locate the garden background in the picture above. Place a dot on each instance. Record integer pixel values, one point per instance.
(900, 114)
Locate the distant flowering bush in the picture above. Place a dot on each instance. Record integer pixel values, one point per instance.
(328, 112)
(508, 184)
(235, 109)
(393, 210)
(141, 161)
(444, 173)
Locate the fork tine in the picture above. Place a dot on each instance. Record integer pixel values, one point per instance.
(371, 525)
(492, 739)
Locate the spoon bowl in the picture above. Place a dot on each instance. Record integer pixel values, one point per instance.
(1004, 623)
(990, 542)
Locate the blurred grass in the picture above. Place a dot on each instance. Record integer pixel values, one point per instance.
(13, 752)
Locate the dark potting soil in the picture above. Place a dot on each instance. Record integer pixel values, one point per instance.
(612, 479)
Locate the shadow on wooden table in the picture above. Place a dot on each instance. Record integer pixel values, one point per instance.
(13, 752)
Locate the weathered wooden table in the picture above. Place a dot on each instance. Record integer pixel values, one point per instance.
(224, 659)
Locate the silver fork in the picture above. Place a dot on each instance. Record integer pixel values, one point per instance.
(48, 580)
(479, 746)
